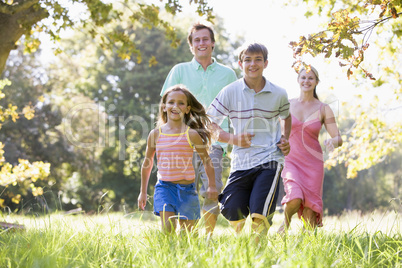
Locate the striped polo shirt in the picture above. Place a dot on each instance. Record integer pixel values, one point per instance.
(174, 154)
(252, 112)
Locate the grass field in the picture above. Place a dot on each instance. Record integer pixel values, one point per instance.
(135, 240)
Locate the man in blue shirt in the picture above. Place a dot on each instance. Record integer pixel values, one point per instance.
(205, 78)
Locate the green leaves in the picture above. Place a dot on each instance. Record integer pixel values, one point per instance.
(25, 171)
(339, 36)
(30, 15)
(368, 141)
(347, 36)
(100, 12)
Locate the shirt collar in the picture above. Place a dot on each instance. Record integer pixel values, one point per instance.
(197, 65)
(267, 87)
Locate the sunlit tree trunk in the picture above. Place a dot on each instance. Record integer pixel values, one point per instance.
(16, 21)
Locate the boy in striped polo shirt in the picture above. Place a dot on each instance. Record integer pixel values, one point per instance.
(259, 113)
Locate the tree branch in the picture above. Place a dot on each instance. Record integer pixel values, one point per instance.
(35, 17)
(373, 24)
(17, 6)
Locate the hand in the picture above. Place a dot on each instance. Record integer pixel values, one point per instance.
(212, 193)
(284, 145)
(243, 139)
(329, 145)
(142, 200)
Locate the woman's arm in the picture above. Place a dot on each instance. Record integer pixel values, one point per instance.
(332, 128)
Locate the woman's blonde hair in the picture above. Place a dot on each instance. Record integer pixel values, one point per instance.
(308, 69)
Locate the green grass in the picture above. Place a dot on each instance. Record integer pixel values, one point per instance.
(135, 240)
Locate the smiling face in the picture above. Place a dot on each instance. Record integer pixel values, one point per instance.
(253, 65)
(307, 81)
(202, 44)
(176, 106)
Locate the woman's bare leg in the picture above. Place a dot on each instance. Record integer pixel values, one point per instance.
(310, 217)
(291, 208)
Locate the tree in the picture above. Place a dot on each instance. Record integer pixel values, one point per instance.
(27, 17)
(128, 93)
(41, 138)
(18, 171)
(375, 188)
(348, 37)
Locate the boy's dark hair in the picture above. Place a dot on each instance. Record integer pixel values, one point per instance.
(254, 48)
(196, 27)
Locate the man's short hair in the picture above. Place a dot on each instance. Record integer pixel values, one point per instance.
(196, 27)
(254, 48)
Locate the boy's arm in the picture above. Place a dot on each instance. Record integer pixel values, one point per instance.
(146, 168)
(286, 126)
(201, 149)
(241, 140)
(217, 117)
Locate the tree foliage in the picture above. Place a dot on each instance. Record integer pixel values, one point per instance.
(40, 138)
(27, 17)
(122, 44)
(106, 107)
(20, 171)
(346, 36)
(368, 141)
(378, 187)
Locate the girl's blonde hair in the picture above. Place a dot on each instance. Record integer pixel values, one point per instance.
(196, 119)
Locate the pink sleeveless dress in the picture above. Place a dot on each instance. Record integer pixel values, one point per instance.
(303, 173)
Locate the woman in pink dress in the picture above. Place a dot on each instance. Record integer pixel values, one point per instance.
(303, 174)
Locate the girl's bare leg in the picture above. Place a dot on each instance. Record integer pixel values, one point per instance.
(168, 221)
(187, 225)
